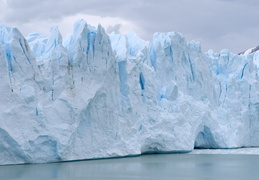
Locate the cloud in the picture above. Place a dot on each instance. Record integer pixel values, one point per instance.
(66, 24)
(209, 21)
(115, 28)
(48, 9)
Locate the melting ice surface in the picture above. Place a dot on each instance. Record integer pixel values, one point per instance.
(94, 95)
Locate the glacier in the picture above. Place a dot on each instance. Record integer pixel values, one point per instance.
(98, 95)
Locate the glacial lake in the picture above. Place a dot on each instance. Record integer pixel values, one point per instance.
(144, 167)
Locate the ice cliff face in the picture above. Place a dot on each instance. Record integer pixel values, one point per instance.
(95, 95)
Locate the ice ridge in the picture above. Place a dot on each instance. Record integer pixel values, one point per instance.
(94, 95)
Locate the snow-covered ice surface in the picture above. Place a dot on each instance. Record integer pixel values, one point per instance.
(94, 95)
(252, 151)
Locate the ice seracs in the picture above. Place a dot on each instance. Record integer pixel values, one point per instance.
(95, 95)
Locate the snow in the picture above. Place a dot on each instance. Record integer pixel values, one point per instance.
(248, 51)
(94, 95)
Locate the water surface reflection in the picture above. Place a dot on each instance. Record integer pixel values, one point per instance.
(157, 166)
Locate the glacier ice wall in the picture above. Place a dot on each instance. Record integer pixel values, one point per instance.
(94, 95)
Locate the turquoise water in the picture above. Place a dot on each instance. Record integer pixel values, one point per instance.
(145, 167)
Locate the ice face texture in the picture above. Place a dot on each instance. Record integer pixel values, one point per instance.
(94, 95)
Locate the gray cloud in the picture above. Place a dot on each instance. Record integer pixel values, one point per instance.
(218, 24)
(27, 10)
(115, 28)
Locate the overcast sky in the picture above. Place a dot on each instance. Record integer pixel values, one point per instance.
(217, 24)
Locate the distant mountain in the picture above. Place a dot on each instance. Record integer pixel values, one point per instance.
(249, 51)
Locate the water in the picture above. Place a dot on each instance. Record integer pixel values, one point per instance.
(145, 167)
